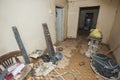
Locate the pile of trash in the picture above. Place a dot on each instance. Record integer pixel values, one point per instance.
(95, 33)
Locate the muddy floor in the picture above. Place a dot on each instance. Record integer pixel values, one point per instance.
(74, 59)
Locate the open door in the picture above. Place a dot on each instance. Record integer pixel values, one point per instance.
(87, 20)
(59, 24)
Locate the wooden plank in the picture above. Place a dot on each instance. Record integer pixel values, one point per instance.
(112, 50)
(20, 44)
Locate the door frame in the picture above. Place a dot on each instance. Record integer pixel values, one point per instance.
(80, 12)
(61, 7)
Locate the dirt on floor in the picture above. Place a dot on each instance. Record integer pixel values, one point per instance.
(74, 60)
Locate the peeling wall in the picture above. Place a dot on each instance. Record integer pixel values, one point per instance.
(28, 16)
(114, 36)
(105, 18)
(64, 4)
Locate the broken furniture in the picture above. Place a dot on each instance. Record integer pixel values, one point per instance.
(52, 55)
(25, 71)
(9, 59)
(105, 66)
(93, 44)
(20, 44)
(11, 66)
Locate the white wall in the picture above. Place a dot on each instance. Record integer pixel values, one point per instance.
(114, 36)
(105, 19)
(28, 16)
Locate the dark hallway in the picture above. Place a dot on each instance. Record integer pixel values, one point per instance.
(87, 20)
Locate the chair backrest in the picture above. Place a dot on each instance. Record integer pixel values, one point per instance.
(0, 70)
(7, 59)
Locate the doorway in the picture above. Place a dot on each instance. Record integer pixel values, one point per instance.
(87, 20)
(59, 24)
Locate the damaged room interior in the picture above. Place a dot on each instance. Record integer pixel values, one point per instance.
(59, 40)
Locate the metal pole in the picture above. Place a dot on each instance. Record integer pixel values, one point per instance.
(48, 40)
(20, 44)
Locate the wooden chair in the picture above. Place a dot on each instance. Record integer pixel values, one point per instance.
(0, 70)
(7, 59)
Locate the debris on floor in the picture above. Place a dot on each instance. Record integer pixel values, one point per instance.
(63, 63)
(72, 57)
(93, 46)
(82, 63)
(95, 38)
(73, 66)
(61, 75)
(35, 54)
(43, 69)
(73, 61)
(95, 33)
(83, 49)
(104, 66)
(59, 48)
(82, 46)
(68, 52)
